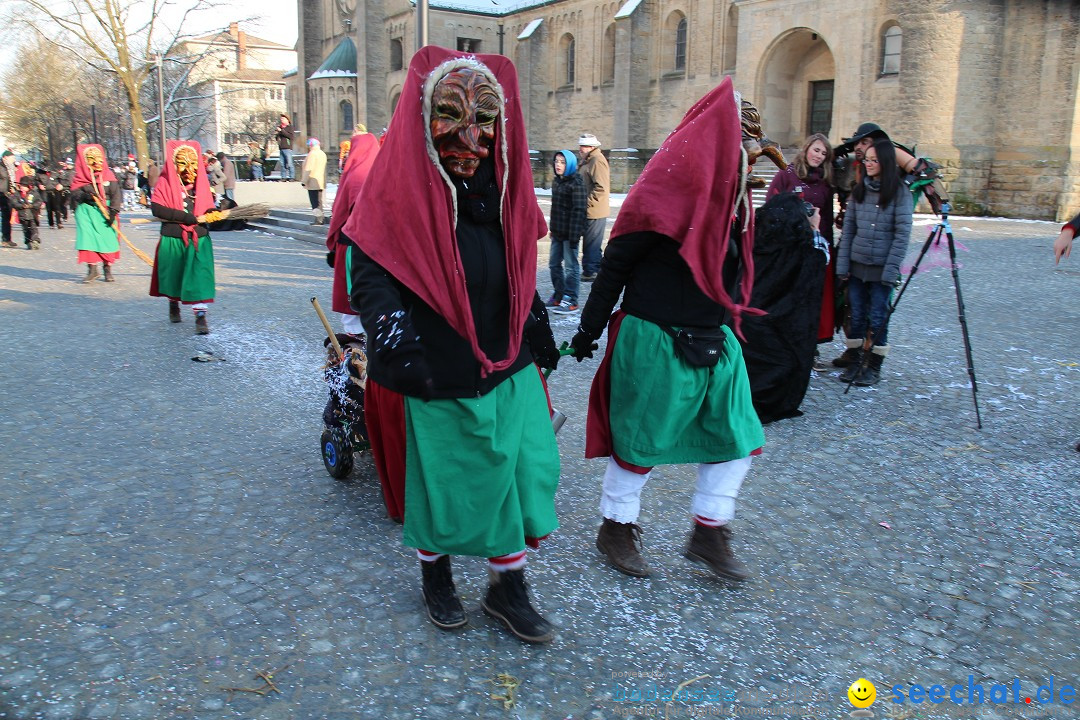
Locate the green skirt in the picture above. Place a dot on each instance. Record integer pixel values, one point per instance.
(92, 233)
(182, 272)
(664, 411)
(481, 473)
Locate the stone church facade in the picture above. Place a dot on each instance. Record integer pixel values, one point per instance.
(986, 88)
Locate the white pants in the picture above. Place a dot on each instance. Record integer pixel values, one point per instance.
(717, 487)
(352, 324)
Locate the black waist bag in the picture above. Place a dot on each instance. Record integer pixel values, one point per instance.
(699, 347)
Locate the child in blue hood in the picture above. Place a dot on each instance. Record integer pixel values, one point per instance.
(568, 204)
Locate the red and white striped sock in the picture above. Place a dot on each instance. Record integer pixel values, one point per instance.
(513, 561)
(426, 556)
(708, 522)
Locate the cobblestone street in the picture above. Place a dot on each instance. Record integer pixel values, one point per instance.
(168, 530)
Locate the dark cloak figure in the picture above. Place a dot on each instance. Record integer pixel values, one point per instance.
(789, 274)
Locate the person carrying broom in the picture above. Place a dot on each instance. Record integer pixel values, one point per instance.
(96, 197)
(184, 259)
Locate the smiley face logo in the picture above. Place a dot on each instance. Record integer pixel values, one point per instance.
(862, 693)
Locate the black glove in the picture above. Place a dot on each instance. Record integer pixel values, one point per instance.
(583, 345)
(541, 340)
(330, 258)
(112, 217)
(409, 373)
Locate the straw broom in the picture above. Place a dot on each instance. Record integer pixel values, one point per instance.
(253, 211)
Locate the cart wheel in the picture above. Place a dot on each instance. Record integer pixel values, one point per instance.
(337, 453)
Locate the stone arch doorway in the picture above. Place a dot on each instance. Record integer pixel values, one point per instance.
(795, 87)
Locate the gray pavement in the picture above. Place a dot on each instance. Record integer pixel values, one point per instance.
(167, 529)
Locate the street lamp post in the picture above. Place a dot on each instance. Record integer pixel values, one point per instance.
(421, 23)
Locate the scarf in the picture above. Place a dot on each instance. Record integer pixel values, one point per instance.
(84, 176)
(692, 189)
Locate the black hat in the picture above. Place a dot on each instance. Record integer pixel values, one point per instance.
(864, 130)
(26, 180)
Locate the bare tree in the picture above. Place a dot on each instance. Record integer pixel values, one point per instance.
(117, 36)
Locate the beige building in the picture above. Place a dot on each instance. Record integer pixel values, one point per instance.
(987, 89)
(240, 84)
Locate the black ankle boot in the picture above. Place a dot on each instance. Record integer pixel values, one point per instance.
(871, 374)
(853, 368)
(507, 600)
(440, 596)
(712, 546)
(174, 311)
(850, 356)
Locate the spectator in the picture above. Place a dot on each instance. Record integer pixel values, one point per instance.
(877, 230)
(569, 203)
(129, 182)
(229, 186)
(56, 199)
(597, 175)
(810, 176)
(313, 176)
(27, 202)
(255, 160)
(153, 172)
(285, 136)
(216, 177)
(7, 184)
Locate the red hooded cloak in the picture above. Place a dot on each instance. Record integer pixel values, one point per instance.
(406, 221)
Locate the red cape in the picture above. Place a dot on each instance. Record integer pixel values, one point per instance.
(406, 221)
(690, 192)
(83, 176)
(170, 191)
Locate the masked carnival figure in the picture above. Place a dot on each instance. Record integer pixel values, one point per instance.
(672, 387)
(96, 197)
(445, 282)
(184, 260)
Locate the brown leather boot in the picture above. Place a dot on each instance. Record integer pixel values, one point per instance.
(91, 274)
(201, 328)
(108, 272)
(174, 311)
(620, 542)
(712, 546)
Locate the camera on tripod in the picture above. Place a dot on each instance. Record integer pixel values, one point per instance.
(806, 205)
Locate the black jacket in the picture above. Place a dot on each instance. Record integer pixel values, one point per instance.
(399, 324)
(113, 199)
(28, 207)
(176, 218)
(659, 286)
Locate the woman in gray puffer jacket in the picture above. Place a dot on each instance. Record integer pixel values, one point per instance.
(877, 230)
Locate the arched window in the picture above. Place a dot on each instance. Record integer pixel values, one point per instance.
(346, 116)
(891, 40)
(680, 44)
(566, 46)
(397, 61)
(607, 69)
(731, 39)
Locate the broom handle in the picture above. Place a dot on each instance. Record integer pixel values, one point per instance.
(329, 330)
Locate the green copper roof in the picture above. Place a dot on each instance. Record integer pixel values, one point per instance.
(340, 63)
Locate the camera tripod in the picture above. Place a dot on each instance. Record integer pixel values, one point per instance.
(944, 229)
